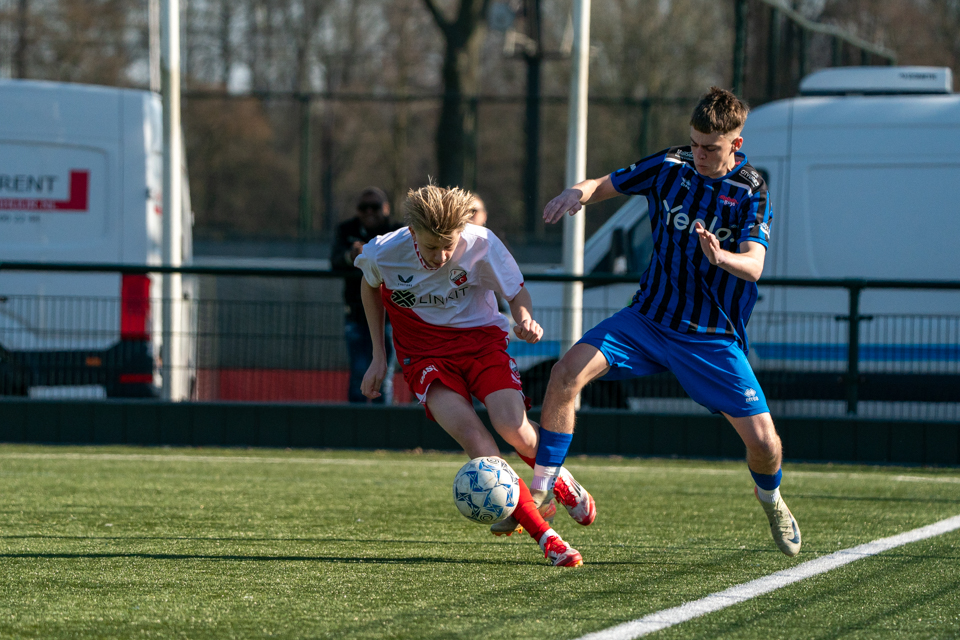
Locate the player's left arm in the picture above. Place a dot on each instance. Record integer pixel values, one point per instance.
(747, 264)
(754, 220)
(527, 328)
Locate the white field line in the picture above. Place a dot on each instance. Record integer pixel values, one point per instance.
(148, 457)
(743, 592)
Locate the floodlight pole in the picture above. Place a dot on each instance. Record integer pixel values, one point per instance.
(172, 187)
(573, 226)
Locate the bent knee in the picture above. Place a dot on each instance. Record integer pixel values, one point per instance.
(566, 376)
(508, 426)
(563, 374)
(766, 445)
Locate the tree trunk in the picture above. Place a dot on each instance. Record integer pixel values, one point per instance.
(20, 53)
(226, 48)
(457, 127)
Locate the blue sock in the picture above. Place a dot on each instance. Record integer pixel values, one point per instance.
(551, 452)
(766, 482)
(553, 447)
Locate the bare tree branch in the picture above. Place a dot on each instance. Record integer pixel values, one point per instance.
(438, 16)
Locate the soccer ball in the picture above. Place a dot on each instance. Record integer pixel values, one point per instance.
(486, 490)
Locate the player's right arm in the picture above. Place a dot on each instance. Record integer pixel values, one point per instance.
(373, 309)
(376, 318)
(572, 200)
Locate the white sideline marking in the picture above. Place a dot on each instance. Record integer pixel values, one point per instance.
(743, 592)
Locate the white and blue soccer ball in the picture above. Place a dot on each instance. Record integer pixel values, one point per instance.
(486, 490)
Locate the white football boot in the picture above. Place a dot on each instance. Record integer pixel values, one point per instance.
(783, 525)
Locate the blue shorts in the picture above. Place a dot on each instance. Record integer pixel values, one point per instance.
(712, 368)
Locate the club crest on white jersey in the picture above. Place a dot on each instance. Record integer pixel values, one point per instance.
(460, 293)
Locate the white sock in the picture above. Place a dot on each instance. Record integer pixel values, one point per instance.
(544, 477)
(768, 496)
(546, 536)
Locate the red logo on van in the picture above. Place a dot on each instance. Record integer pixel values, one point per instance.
(77, 200)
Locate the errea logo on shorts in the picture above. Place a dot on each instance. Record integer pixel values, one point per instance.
(751, 395)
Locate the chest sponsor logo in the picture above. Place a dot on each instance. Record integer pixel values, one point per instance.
(680, 221)
(408, 299)
(405, 299)
(458, 277)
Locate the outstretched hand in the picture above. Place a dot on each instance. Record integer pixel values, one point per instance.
(566, 202)
(529, 330)
(708, 242)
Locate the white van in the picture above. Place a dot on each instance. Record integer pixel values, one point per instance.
(864, 174)
(81, 182)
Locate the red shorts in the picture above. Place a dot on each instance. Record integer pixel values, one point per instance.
(478, 376)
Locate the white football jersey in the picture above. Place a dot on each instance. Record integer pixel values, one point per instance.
(458, 295)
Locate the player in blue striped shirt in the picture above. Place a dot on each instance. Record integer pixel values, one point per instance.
(710, 214)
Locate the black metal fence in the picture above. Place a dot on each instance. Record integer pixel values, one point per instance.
(277, 335)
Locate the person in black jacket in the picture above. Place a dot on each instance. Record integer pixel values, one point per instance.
(372, 219)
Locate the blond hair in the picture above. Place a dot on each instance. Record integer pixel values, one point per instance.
(719, 111)
(439, 211)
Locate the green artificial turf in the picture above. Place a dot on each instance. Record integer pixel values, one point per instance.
(116, 542)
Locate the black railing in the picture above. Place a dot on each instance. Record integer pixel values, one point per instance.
(238, 329)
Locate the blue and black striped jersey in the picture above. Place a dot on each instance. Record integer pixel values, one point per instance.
(681, 289)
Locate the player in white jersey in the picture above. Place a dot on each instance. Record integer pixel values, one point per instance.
(436, 278)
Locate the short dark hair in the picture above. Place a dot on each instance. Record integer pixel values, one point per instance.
(377, 192)
(719, 111)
